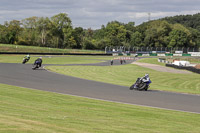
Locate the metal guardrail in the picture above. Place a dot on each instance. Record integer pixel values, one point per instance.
(124, 49)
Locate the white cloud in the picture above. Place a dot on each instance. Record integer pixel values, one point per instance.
(94, 13)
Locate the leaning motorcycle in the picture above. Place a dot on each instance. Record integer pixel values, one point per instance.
(35, 65)
(140, 85)
(25, 60)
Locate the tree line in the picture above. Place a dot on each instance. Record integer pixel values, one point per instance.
(58, 32)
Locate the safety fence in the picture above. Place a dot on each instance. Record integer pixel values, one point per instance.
(143, 50)
(197, 54)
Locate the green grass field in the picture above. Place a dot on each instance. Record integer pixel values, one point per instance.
(151, 61)
(34, 49)
(25, 110)
(155, 60)
(62, 59)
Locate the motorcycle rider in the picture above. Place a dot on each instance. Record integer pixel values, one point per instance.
(38, 62)
(146, 79)
(27, 57)
(141, 83)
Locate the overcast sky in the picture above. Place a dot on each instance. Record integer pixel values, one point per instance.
(94, 13)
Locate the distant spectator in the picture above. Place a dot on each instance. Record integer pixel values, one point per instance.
(111, 62)
(121, 61)
(124, 61)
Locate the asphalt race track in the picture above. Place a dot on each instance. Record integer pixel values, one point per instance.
(22, 75)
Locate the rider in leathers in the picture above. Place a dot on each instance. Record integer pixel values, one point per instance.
(146, 79)
(39, 62)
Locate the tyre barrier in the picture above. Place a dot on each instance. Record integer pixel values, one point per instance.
(189, 68)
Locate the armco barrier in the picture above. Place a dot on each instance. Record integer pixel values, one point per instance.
(169, 54)
(186, 54)
(154, 54)
(192, 69)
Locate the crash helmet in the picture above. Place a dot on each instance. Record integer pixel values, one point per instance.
(146, 75)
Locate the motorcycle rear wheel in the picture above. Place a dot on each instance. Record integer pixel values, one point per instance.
(142, 86)
(35, 66)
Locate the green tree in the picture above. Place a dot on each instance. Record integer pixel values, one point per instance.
(13, 30)
(116, 33)
(130, 26)
(44, 26)
(3, 34)
(178, 38)
(77, 33)
(61, 26)
(156, 34)
(88, 44)
(136, 39)
(29, 36)
(72, 42)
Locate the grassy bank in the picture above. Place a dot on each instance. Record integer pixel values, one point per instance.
(151, 61)
(24, 110)
(55, 59)
(195, 60)
(34, 49)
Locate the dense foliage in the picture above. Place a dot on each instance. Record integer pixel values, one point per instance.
(57, 31)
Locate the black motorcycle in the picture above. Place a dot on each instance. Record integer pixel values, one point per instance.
(35, 65)
(140, 85)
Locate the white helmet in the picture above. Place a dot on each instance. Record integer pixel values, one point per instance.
(146, 75)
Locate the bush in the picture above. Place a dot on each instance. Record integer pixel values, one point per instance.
(88, 45)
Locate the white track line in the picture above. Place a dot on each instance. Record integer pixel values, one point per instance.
(112, 101)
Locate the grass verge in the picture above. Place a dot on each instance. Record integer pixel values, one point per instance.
(34, 49)
(65, 59)
(25, 110)
(151, 61)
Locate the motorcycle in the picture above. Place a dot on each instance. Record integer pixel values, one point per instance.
(35, 65)
(25, 60)
(140, 85)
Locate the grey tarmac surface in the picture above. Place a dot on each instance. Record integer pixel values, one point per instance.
(41, 79)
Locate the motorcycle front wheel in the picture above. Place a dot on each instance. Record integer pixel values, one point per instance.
(132, 87)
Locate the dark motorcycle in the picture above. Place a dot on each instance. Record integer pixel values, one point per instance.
(35, 65)
(25, 60)
(140, 85)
